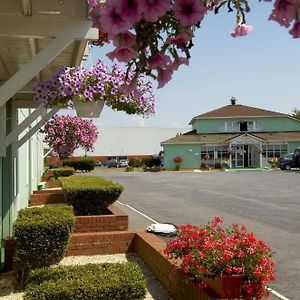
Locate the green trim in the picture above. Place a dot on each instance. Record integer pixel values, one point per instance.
(6, 187)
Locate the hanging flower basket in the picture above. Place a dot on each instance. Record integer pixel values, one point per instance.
(89, 109)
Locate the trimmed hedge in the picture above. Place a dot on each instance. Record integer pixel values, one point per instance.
(63, 172)
(90, 195)
(120, 281)
(83, 164)
(41, 237)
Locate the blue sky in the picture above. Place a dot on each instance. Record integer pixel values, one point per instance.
(260, 70)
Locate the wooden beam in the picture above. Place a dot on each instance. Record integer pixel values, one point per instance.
(46, 26)
(36, 127)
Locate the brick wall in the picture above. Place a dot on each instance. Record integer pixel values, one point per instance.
(101, 243)
(46, 197)
(149, 248)
(117, 220)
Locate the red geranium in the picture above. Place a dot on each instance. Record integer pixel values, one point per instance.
(212, 251)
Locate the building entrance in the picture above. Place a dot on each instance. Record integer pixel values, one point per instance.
(245, 156)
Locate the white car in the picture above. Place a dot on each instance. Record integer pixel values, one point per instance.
(123, 163)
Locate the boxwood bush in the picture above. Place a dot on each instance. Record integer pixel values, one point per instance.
(83, 164)
(63, 172)
(90, 195)
(41, 237)
(121, 281)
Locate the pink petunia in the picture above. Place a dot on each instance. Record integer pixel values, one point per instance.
(241, 30)
(180, 38)
(284, 12)
(159, 61)
(131, 10)
(122, 54)
(189, 12)
(178, 62)
(295, 31)
(112, 19)
(126, 39)
(154, 9)
(164, 76)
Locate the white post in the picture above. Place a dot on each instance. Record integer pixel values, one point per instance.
(28, 71)
(36, 127)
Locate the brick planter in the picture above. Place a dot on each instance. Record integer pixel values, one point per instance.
(46, 197)
(115, 220)
(53, 184)
(146, 245)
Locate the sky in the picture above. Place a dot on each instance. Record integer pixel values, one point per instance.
(260, 70)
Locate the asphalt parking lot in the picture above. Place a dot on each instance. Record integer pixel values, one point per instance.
(267, 202)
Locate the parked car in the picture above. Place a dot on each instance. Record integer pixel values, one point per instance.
(123, 163)
(113, 163)
(98, 163)
(288, 161)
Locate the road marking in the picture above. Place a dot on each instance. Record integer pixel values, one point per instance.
(277, 294)
(152, 220)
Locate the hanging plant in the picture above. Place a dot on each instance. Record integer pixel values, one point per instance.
(155, 36)
(99, 83)
(65, 134)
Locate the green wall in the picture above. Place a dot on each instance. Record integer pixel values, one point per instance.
(190, 154)
(6, 186)
(292, 146)
(268, 124)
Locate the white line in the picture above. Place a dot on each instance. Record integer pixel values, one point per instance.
(138, 212)
(277, 294)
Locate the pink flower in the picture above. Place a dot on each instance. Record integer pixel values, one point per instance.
(284, 12)
(93, 3)
(189, 12)
(122, 54)
(164, 76)
(159, 61)
(112, 19)
(181, 38)
(126, 39)
(131, 10)
(295, 31)
(178, 62)
(241, 30)
(153, 9)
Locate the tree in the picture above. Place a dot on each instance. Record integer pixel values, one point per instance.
(296, 113)
(65, 134)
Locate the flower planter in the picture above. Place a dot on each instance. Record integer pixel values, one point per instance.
(89, 109)
(227, 287)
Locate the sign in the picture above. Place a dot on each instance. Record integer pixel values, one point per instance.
(245, 140)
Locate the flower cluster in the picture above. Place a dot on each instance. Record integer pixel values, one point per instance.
(177, 159)
(65, 134)
(155, 36)
(111, 85)
(212, 251)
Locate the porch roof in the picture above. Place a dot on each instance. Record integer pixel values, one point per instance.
(224, 138)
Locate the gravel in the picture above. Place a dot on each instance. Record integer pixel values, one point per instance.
(155, 291)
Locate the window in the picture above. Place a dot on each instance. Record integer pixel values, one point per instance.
(222, 127)
(258, 126)
(275, 150)
(243, 126)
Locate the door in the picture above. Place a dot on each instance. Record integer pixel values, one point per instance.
(239, 156)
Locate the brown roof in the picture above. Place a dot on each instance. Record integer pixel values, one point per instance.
(238, 110)
(225, 137)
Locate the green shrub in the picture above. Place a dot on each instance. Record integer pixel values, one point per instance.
(129, 169)
(82, 164)
(41, 237)
(63, 172)
(90, 195)
(93, 281)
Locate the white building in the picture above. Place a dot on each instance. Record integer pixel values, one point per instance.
(130, 141)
